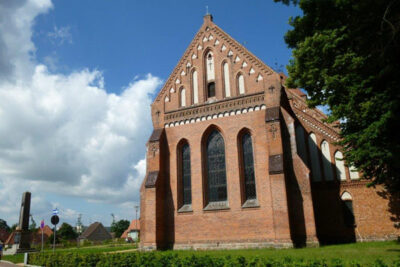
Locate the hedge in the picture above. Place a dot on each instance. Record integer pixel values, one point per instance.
(153, 259)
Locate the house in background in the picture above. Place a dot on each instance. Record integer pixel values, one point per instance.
(133, 231)
(3, 235)
(95, 232)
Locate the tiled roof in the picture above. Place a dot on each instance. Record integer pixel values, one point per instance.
(135, 225)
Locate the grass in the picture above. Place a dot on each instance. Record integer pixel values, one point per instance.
(388, 252)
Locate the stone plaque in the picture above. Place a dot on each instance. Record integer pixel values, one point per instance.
(272, 114)
(276, 164)
(151, 179)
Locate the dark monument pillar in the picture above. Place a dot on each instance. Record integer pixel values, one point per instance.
(23, 234)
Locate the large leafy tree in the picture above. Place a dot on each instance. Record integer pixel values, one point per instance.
(119, 227)
(66, 232)
(4, 225)
(346, 55)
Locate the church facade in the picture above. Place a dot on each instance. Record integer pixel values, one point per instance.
(237, 160)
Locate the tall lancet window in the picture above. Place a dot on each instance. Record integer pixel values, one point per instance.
(216, 172)
(195, 84)
(240, 81)
(340, 169)
(227, 85)
(326, 161)
(185, 172)
(210, 74)
(314, 155)
(183, 97)
(248, 167)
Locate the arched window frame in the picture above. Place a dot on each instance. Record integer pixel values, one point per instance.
(209, 204)
(340, 166)
(226, 79)
(348, 210)
(316, 164)
(182, 99)
(240, 74)
(248, 201)
(184, 190)
(326, 161)
(195, 93)
(301, 143)
(212, 81)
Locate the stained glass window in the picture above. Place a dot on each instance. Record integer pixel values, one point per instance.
(186, 179)
(216, 172)
(248, 167)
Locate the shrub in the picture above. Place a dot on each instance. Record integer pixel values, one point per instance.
(155, 259)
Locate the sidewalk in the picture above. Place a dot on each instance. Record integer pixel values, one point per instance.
(8, 264)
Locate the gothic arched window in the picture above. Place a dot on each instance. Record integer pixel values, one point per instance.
(326, 160)
(348, 212)
(249, 181)
(185, 174)
(216, 171)
(301, 144)
(240, 81)
(195, 85)
(314, 155)
(340, 169)
(227, 85)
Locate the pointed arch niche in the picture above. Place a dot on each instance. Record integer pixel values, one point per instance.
(301, 143)
(326, 161)
(240, 84)
(209, 66)
(340, 169)
(348, 212)
(227, 83)
(182, 97)
(195, 87)
(314, 155)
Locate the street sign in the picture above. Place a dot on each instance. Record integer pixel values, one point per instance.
(42, 224)
(55, 219)
(55, 211)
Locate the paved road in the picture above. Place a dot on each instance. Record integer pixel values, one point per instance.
(7, 264)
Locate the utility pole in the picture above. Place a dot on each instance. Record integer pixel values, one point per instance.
(137, 232)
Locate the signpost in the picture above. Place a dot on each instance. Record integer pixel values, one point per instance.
(54, 221)
(41, 227)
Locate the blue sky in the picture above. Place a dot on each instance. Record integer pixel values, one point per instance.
(128, 38)
(76, 82)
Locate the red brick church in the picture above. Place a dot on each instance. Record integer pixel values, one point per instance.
(238, 160)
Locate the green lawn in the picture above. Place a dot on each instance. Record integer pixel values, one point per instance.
(389, 252)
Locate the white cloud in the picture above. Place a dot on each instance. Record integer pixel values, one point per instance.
(65, 134)
(60, 35)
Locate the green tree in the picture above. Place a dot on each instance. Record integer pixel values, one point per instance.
(119, 227)
(4, 225)
(346, 55)
(66, 232)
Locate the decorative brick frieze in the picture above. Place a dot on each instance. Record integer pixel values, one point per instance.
(223, 108)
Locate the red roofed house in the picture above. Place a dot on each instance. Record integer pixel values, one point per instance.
(132, 231)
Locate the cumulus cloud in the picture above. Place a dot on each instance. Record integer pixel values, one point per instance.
(64, 133)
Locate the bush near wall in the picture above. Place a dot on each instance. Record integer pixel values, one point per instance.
(152, 259)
